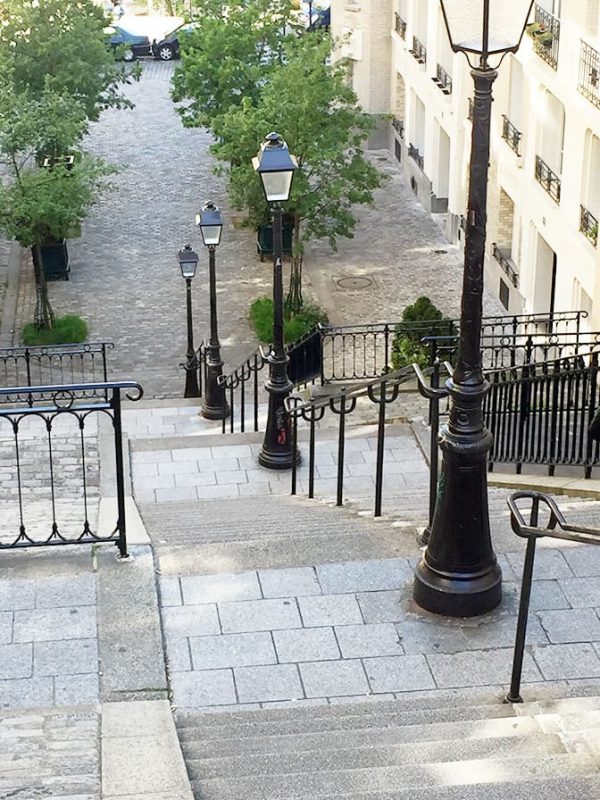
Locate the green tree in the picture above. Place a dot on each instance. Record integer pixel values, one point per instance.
(308, 101)
(61, 45)
(229, 56)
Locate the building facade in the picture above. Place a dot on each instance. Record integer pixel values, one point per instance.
(544, 190)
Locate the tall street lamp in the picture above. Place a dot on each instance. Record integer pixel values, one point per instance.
(188, 261)
(458, 574)
(275, 167)
(214, 406)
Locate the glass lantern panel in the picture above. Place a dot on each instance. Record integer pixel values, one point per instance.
(277, 185)
(466, 23)
(211, 234)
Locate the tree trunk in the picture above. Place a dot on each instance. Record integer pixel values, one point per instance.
(294, 302)
(43, 315)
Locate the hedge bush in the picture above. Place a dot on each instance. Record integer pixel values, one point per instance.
(69, 329)
(422, 319)
(261, 317)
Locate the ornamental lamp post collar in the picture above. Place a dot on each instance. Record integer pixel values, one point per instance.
(210, 222)
(485, 28)
(188, 261)
(275, 166)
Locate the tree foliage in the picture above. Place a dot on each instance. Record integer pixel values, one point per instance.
(61, 45)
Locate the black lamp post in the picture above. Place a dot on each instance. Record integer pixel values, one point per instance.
(188, 261)
(275, 167)
(214, 406)
(458, 574)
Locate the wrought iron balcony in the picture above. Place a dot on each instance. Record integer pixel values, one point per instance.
(443, 80)
(547, 178)
(400, 26)
(588, 225)
(419, 51)
(507, 264)
(398, 126)
(510, 134)
(545, 32)
(589, 74)
(413, 153)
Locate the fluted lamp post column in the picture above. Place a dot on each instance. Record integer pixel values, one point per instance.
(458, 575)
(275, 167)
(188, 261)
(214, 405)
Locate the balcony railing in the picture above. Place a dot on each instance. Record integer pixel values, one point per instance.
(589, 74)
(545, 32)
(548, 179)
(443, 80)
(507, 264)
(413, 153)
(510, 134)
(400, 26)
(588, 225)
(398, 126)
(419, 51)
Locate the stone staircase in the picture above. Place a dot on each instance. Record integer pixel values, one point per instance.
(458, 749)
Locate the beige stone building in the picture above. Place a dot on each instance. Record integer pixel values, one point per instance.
(544, 191)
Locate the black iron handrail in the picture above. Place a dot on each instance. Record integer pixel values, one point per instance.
(507, 264)
(511, 135)
(53, 364)
(419, 51)
(556, 528)
(52, 403)
(443, 80)
(416, 156)
(588, 225)
(589, 74)
(546, 38)
(548, 179)
(399, 26)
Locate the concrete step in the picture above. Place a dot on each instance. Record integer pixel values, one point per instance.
(49, 753)
(370, 755)
(349, 783)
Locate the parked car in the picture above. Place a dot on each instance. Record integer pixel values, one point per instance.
(130, 45)
(167, 49)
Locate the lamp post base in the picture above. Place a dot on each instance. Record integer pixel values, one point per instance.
(457, 595)
(215, 412)
(278, 460)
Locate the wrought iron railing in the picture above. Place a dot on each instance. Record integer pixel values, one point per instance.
(548, 179)
(416, 156)
(398, 126)
(50, 447)
(546, 36)
(510, 134)
(443, 80)
(53, 364)
(589, 74)
(399, 26)
(419, 51)
(507, 264)
(556, 528)
(588, 225)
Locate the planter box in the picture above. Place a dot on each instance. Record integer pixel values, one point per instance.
(55, 260)
(264, 239)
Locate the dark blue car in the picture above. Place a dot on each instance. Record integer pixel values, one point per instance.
(130, 45)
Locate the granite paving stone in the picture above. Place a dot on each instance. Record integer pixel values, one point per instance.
(40, 624)
(78, 690)
(190, 620)
(6, 627)
(25, 693)
(398, 673)
(259, 615)
(549, 563)
(170, 591)
(218, 588)
(477, 668)
(177, 467)
(72, 590)
(66, 657)
(15, 661)
(291, 582)
(567, 661)
(207, 688)
(16, 594)
(381, 606)
(232, 650)
(584, 560)
(361, 576)
(261, 684)
(327, 678)
(361, 641)
(548, 595)
(572, 625)
(222, 492)
(196, 479)
(306, 644)
(180, 494)
(581, 592)
(178, 654)
(332, 609)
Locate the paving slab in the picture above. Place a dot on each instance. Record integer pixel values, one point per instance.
(306, 644)
(232, 650)
(332, 609)
(259, 615)
(363, 641)
(219, 588)
(260, 684)
(398, 674)
(328, 678)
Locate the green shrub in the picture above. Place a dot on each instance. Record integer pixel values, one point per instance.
(261, 317)
(69, 329)
(420, 319)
